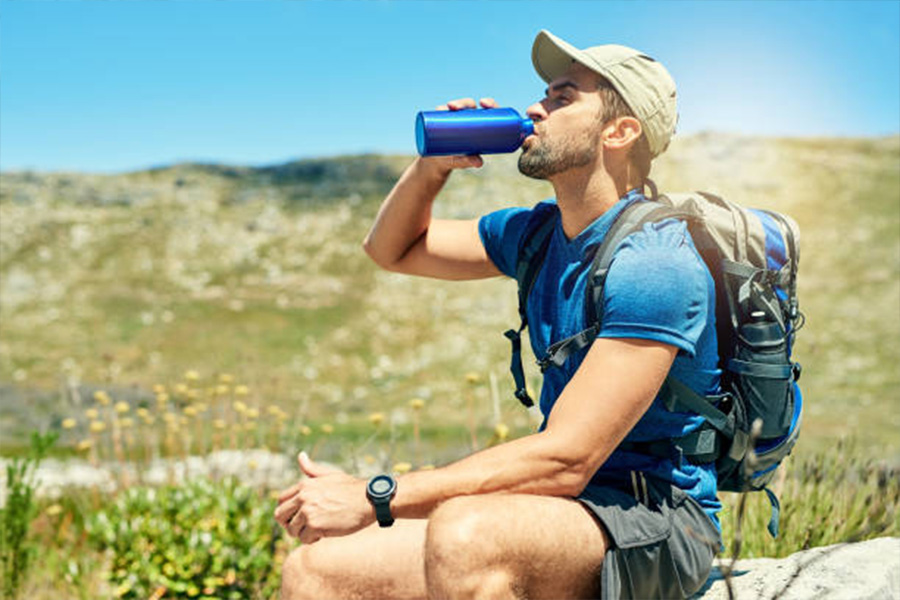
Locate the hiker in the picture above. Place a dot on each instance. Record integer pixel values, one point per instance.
(578, 509)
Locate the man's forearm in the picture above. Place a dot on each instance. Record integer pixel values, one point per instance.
(536, 464)
(406, 212)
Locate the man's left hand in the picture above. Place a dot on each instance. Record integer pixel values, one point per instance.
(328, 503)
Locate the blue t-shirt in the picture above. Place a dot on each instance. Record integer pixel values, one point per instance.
(657, 288)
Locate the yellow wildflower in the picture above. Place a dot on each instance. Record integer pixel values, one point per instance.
(162, 398)
(190, 410)
(222, 390)
(92, 414)
(252, 464)
(501, 431)
(143, 413)
(219, 424)
(69, 423)
(327, 428)
(473, 378)
(305, 430)
(376, 418)
(126, 423)
(101, 397)
(53, 510)
(192, 394)
(226, 378)
(159, 389)
(181, 388)
(252, 413)
(169, 417)
(98, 426)
(401, 468)
(122, 407)
(241, 390)
(84, 445)
(192, 375)
(416, 404)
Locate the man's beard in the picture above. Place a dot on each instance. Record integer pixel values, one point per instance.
(546, 158)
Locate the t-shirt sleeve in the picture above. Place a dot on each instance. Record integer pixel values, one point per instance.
(501, 231)
(657, 288)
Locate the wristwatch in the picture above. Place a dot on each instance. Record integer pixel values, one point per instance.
(380, 491)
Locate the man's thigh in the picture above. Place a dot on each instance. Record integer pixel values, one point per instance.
(550, 547)
(374, 562)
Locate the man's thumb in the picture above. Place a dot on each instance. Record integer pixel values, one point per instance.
(313, 469)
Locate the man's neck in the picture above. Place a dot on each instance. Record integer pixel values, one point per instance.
(584, 195)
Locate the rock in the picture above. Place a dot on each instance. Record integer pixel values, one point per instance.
(863, 571)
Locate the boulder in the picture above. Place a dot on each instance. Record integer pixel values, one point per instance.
(867, 570)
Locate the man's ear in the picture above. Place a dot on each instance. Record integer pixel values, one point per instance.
(621, 133)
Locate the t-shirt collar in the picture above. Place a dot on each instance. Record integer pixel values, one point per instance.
(593, 234)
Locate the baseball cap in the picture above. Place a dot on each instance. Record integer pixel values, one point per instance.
(643, 83)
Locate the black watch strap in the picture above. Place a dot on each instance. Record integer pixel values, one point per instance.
(383, 513)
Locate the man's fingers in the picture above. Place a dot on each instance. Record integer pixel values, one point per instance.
(296, 524)
(307, 535)
(488, 103)
(289, 492)
(287, 510)
(467, 161)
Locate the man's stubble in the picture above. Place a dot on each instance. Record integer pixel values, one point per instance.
(547, 157)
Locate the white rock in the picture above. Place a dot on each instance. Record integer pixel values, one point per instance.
(863, 571)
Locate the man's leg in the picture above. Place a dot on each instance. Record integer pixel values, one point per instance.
(513, 546)
(490, 546)
(371, 563)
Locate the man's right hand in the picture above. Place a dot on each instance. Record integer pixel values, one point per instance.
(442, 165)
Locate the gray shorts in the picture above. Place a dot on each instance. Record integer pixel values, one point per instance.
(663, 542)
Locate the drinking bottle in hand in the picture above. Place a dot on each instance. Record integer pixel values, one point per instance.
(471, 131)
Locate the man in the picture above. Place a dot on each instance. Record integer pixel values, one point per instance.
(565, 512)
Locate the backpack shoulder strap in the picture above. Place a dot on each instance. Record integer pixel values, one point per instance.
(630, 220)
(532, 251)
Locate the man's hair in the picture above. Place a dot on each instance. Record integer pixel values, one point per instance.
(613, 108)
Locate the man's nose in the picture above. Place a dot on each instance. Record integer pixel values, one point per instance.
(536, 112)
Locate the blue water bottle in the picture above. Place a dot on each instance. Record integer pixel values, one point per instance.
(470, 131)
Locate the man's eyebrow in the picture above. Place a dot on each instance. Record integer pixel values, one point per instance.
(560, 86)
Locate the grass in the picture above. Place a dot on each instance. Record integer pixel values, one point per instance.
(126, 282)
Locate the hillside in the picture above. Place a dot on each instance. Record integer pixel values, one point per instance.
(121, 282)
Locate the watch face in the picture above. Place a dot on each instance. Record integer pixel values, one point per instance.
(382, 486)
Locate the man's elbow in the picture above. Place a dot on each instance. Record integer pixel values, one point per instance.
(377, 256)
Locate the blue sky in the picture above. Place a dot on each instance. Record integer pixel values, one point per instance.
(120, 85)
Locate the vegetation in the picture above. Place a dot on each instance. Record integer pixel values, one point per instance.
(158, 317)
(16, 549)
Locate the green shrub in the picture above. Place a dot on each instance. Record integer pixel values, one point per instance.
(203, 540)
(16, 550)
(828, 497)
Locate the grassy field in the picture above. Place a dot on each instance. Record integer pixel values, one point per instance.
(216, 307)
(131, 280)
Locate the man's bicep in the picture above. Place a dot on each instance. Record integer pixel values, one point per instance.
(449, 249)
(607, 396)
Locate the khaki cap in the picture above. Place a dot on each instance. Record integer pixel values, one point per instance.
(643, 83)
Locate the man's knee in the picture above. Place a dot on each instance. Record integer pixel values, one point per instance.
(299, 579)
(464, 551)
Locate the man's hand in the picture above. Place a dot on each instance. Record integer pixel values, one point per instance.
(328, 503)
(445, 164)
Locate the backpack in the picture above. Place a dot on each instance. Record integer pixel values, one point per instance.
(752, 256)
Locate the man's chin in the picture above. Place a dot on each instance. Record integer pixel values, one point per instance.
(530, 167)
